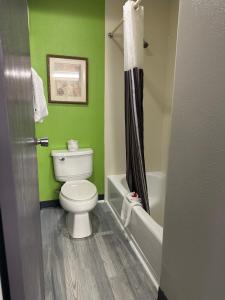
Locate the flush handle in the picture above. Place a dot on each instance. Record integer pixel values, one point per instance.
(43, 142)
(62, 158)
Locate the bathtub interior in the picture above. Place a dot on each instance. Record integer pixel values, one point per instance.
(156, 193)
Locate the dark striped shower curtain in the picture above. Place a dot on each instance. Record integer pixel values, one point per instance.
(134, 76)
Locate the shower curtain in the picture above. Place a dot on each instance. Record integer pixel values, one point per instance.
(134, 75)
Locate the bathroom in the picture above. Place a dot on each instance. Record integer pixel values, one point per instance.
(80, 230)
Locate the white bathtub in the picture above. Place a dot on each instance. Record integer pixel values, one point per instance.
(146, 231)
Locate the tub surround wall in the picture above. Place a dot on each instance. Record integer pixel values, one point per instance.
(171, 54)
(74, 28)
(160, 32)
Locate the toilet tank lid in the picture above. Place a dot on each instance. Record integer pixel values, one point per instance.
(79, 152)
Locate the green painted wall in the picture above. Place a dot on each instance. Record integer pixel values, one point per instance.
(76, 28)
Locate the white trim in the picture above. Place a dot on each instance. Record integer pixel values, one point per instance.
(101, 201)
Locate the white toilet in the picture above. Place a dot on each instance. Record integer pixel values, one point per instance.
(77, 196)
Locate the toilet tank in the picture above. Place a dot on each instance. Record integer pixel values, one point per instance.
(72, 165)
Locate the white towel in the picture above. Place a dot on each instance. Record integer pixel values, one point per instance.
(40, 105)
(129, 201)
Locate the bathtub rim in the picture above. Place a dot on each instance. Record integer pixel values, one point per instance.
(150, 224)
(147, 219)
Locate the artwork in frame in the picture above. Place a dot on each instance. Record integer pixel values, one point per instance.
(67, 79)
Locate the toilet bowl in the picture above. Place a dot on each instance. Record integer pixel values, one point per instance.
(78, 198)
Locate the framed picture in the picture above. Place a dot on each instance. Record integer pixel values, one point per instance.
(67, 79)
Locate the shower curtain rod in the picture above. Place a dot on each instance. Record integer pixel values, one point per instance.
(111, 34)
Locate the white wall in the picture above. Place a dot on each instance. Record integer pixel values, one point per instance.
(171, 53)
(160, 32)
(193, 264)
(114, 92)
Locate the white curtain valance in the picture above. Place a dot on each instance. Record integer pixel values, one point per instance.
(133, 35)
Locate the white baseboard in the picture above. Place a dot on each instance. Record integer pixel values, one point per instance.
(101, 201)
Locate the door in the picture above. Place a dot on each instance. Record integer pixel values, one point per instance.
(19, 203)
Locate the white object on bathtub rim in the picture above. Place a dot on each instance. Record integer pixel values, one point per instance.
(129, 201)
(73, 145)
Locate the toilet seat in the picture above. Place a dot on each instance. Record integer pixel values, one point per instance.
(78, 190)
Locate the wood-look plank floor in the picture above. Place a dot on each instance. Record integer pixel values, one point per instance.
(100, 267)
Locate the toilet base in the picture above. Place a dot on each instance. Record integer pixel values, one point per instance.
(79, 225)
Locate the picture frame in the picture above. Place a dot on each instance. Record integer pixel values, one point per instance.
(67, 79)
